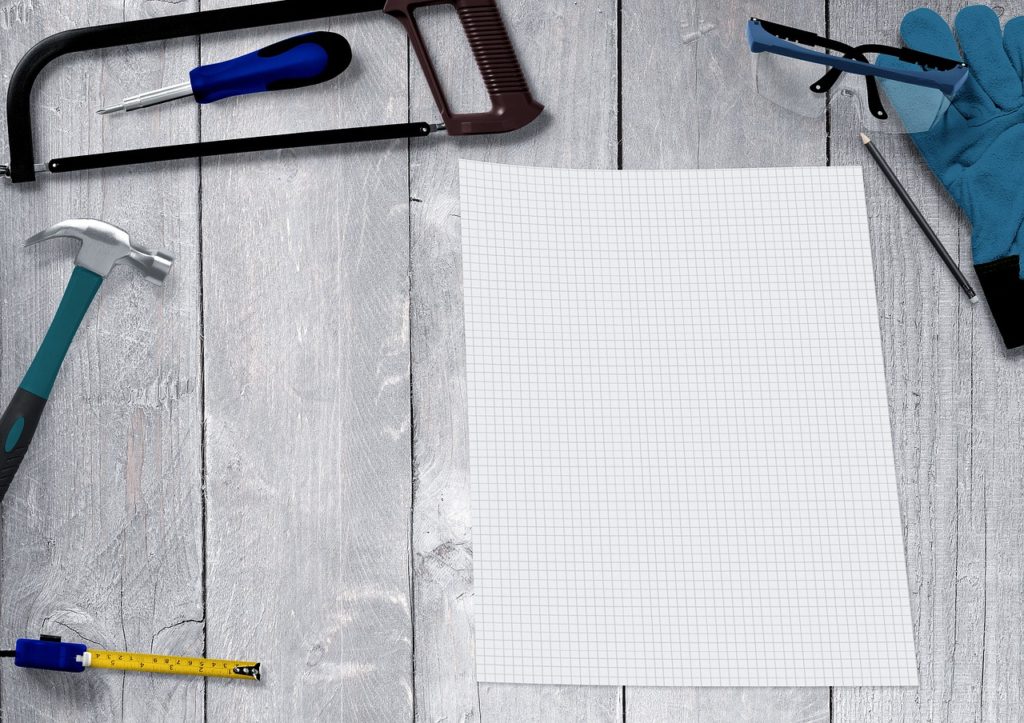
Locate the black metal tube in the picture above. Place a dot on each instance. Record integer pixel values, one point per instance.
(19, 93)
(238, 145)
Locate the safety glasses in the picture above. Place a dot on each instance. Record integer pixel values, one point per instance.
(788, 73)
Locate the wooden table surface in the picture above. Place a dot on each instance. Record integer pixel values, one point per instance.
(267, 457)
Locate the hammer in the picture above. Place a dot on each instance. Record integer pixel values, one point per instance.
(103, 247)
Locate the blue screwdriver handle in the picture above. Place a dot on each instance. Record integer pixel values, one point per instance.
(293, 63)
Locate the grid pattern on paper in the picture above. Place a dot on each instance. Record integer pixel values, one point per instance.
(680, 452)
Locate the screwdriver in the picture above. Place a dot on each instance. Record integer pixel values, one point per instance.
(50, 653)
(293, 63)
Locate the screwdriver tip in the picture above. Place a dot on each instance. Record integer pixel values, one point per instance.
(110, 109)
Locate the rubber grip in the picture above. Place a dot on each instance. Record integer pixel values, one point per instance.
(293, 63)
(17, 427)
(512, 104)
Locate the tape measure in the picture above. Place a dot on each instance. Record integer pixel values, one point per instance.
(170, 664)
(50, 653)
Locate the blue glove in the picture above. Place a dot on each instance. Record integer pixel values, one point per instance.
(977, 148)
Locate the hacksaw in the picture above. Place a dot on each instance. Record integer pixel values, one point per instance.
(512, 104)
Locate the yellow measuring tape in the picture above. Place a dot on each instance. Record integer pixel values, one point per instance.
(171, 664)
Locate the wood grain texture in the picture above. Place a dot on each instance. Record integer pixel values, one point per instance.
(268, 456)
(568, 50)
(729, 705)
(308, 438)
(697, 107)
(957, 403)
(102, 527)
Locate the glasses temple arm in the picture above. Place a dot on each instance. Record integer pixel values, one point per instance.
(875, 98)
(907, 55)
(825, 83)
(804, 37)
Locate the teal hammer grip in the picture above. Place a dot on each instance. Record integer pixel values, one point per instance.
(18, 423)
(17, 427)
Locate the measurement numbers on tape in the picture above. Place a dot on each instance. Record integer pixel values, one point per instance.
(170, 664)
(51, 653)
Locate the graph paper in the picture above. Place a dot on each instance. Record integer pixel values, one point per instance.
(680, 453)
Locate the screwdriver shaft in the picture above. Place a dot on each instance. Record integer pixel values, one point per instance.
(153, 97)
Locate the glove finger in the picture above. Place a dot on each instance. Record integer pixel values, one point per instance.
(981, 39)
(925, 30)
(1013, 44)
(992, 199)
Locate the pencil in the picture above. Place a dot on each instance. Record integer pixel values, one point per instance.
(919, 217)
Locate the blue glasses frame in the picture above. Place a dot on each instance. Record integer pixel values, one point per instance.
(932, 71)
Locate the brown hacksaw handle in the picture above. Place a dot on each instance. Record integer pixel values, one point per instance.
(512, 105)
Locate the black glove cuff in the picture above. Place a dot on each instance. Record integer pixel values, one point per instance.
(1004, 290)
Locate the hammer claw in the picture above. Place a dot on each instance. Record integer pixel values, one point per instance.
(104, 246)
(80, 229)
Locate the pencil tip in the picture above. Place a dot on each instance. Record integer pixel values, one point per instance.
(865, 139)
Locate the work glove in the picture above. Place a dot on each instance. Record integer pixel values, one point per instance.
(977, 147)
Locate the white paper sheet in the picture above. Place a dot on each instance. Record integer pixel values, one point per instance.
(681, 460)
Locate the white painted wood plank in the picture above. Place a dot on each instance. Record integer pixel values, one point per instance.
(957, 404)
(693, 104)
(689, 98)
(102, 527)
(306, 297)
(730, 705)
(562, 704)
(568, 50)
(307, 559)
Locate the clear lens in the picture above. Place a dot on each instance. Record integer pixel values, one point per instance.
(911, 108)
(787, 83)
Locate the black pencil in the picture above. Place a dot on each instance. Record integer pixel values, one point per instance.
(919, 217)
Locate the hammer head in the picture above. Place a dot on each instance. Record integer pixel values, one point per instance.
(105, 246)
